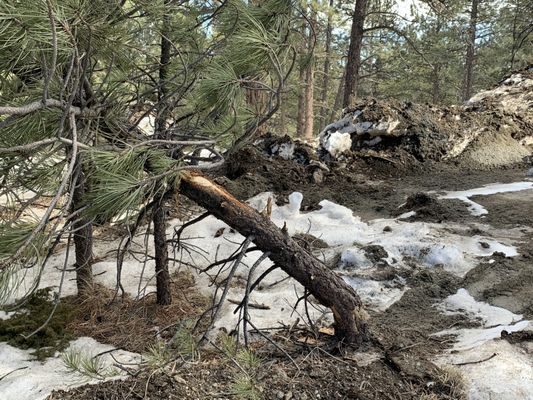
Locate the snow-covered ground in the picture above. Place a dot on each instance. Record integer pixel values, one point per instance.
(492, 368)
(431, 245)
(24, 379)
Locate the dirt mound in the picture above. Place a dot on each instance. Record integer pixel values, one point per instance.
(429, 208)
(494, 128)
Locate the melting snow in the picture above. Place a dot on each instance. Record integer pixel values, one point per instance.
(31, 379)
(478, 209)
(337, 143)
(463, 302)
(492, 368)
(429, 245)
(508, 375)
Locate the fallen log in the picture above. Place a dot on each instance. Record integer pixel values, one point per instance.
(326, 286)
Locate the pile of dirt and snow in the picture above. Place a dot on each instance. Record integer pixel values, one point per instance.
(493, 128)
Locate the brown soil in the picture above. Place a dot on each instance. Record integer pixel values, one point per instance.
(400, 348)
(313, 372)
(372, 188)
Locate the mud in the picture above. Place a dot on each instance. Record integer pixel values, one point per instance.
(507, 282)
(372, 188)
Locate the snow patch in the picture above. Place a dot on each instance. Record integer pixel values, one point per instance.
(338, 143)
(35, 380)
(463, 302)
(508, 375)
(377, 295)
(284, 150)
(492, 368)
(478, 209)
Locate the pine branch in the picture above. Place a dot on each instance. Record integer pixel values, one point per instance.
(49, 103)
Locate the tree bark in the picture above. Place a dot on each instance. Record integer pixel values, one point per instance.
(470, 52)
(310, 81)
(326, 286)
(300, 117)
(354, 54)
(83, 237)
(164, 296)
(325, 71)
(338, 98)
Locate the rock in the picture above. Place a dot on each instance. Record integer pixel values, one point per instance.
(318, 176)
(529, 172)
(375, 253)
(180, 380)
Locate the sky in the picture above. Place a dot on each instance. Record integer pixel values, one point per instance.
(403, 7)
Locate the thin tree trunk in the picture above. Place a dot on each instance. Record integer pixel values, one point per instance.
(300, 117)
(164, 296)
(354, 54)
(310, 81)
(470, 52)
(326, 286)
(83, 237)
(435, 79)
(283, 115)
(338, 99)
(325, 78)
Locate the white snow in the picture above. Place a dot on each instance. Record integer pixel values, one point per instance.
(284, 150)
(337, 143)
(407, 215)
(478, 209)
(506, 376)
(490, 316)
(377, 295)
(471, 338)
(494, 369)
(493, 319)
(35, 380)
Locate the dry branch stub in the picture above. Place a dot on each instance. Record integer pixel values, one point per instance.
(326, 286)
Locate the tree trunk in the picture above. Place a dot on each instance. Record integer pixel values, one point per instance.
(354, 54)
(325, 78)
(83, 237)
(300, 117)
(283, 115)
(435, 79)
(164, 296)
(310, 82)
(338, 99)
(470, 52)
(256, 99)
(326, 286)
(158, 215)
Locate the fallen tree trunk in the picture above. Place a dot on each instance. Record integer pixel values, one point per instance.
(327, 287)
